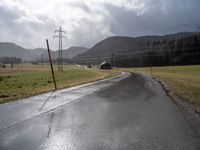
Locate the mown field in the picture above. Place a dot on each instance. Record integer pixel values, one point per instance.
(184, 81)
(28, 80)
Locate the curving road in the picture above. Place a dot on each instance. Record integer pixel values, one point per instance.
(130, 111)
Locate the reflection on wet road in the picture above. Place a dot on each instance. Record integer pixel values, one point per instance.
(18, 111)
(127, 112)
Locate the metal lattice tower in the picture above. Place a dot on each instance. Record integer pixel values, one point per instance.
(60, 36)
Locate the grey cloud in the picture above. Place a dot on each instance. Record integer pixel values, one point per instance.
(6, 15)
(163, 17)
(27, 34)
(82, 5)
(87, 33)
(175, 18)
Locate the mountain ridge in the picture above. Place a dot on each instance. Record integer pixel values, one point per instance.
(9, 49)
(171, 49)
(113, 44)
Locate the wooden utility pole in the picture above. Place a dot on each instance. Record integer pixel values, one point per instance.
(52, 71)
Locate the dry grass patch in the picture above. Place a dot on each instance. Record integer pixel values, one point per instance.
(184, 81)
(28, 81)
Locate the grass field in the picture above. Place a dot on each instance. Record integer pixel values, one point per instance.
(29, 80)
(184, 81)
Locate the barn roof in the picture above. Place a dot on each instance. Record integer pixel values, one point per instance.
(105, 63)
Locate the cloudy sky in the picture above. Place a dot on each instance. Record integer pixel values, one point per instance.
(29, 22)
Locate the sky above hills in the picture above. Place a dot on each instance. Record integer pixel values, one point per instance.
(29, 22)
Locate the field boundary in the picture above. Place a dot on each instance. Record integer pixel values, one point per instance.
(70, 87)
(191, 112)
(24, 85)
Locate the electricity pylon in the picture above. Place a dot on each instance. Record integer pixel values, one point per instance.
(60, 37)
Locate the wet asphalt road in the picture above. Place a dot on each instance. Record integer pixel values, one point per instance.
(127, 112)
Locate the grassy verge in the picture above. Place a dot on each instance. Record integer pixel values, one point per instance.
(184, 81)
(27, 81)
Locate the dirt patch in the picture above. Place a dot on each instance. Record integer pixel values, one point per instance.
(3, 96)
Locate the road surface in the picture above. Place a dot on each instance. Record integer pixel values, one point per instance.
(130, 111)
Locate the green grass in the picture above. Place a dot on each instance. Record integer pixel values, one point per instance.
(184, 81)
(28, 81)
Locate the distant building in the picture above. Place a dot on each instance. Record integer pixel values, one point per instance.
(106, 65)
(2, 65)
(89, 66)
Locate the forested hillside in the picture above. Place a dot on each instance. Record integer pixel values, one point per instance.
(177, 49)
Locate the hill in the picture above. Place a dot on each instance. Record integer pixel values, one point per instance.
(13, 50)
(115, 44)
(120, 49)
(73, 51)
